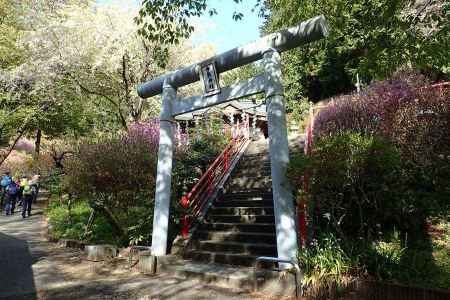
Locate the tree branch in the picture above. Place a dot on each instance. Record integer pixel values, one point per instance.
(92, 92)
(89, 91)
(125, 79)
(10, 149)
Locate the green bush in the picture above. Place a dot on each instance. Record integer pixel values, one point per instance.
(117, 175)
(380, 170)
(73, 225)
(365, 194)
(191, 163)
(363, 187)
(353, 178)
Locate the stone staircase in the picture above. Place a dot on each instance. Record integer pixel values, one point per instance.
(240, 225)
(238, 228)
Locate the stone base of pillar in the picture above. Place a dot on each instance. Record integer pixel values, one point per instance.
(147, 263)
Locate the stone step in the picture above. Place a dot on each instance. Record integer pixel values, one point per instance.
(240, 192)
(250, 195)
(246, 203)
(255, 164)
(233, 277)
(257, 249)
(230, 277)
(241, 218)
(268, 210)
(260, 151)
(225, 258)
(252, 172)
(244, 180)
(250, 185)
(239, 227)
(227, 236)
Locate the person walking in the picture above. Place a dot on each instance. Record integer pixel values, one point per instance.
(35, 186)
(27, 197)
(22, 182)
(11, 196)
(5, 181)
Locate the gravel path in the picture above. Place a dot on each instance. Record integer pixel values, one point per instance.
(32, 268)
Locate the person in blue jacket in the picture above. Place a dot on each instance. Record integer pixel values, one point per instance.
(4, 182)
(11, 197)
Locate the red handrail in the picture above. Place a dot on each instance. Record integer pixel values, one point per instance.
(198, 198)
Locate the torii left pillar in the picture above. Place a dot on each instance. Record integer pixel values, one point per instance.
(164, 172)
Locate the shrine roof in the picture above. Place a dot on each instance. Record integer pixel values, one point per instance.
(235, 107)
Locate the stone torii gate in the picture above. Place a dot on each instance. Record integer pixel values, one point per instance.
(267, 48)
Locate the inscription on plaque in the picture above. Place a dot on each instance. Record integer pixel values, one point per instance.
(208, 74)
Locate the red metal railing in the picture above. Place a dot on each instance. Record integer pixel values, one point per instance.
(198, 198)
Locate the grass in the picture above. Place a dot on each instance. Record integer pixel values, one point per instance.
(328, 267)
(441, 254)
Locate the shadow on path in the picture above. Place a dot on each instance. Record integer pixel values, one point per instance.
(16, 273)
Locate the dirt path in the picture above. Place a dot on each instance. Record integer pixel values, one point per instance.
(32, 268)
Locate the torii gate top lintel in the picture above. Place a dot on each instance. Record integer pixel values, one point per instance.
(305, 32)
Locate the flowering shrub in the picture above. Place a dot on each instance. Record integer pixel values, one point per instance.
(413, 116)
(370, 112)
(380, 166)
(118, 176)
(25, 145)
(149, 131)
(421, 129)
(346, 113)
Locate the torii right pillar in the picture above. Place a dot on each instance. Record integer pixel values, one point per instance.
(284, 209)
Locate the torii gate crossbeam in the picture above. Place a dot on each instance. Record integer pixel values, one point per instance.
(268, 48)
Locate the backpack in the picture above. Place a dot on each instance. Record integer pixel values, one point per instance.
(6, 180)
(12, 189)
(27, 190)
(34, 189)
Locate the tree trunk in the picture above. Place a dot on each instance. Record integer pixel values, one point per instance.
(10, 149)
(117, 229)
(69, 208)
(90, 222)
(37, 144)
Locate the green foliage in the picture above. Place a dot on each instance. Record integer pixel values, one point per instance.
(122, 166)
(119, 173)
(53, 184)
(353, 180)
(370, 38)
(324, 261)
(380, 171)
(64, 85)
(329, 264)
(382, 259)
(168, 21)
(10, 29)
(242, 73)
(73, 225)
(364, 188)
(192, 163)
